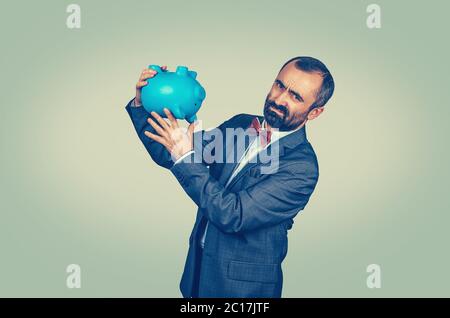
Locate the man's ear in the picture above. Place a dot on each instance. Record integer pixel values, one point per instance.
(315, 113)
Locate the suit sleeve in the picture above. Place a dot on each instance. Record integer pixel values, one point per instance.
(158, 152)
(275, 199)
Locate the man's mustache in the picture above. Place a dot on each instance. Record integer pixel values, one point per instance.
(282, 109)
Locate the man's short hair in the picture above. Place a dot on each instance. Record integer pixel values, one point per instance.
(312, 65)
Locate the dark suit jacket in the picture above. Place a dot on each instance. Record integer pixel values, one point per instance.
(246, 240)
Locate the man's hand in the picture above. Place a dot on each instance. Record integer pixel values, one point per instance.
(176, 140)
(145, 75)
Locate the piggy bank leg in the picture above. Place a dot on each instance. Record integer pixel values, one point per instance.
(192, 118)
(177, 113)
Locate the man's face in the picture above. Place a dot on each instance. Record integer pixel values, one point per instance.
(292, 94)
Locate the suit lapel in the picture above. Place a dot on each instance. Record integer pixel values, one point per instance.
(289, 142)
(232, 156)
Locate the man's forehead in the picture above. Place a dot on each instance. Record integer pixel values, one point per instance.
(306, 84)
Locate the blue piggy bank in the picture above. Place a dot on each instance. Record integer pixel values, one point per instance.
(178, 91)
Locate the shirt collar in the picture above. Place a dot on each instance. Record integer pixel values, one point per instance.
(276, 134)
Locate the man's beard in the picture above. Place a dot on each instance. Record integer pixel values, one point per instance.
(283, 121)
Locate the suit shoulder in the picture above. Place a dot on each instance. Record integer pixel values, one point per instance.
(311, 157)
(306, 158)
(309, 151)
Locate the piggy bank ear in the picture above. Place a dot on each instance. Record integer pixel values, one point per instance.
(193, 74)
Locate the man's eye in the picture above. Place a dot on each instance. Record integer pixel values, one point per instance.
(297, 98)
(279, 85)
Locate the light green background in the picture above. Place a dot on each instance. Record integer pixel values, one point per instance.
(78, 187)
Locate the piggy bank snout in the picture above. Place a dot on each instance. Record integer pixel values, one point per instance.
(199, 93)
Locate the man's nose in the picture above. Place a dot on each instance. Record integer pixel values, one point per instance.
(281, 99)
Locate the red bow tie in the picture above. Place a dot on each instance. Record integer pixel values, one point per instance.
(263, 134)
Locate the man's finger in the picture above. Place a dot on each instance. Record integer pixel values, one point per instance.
(141, 84)
(157, 128)
(173, 121)
(147, 70)
(147, 75)
(161, 121)
(191, 129)
(156, 138)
